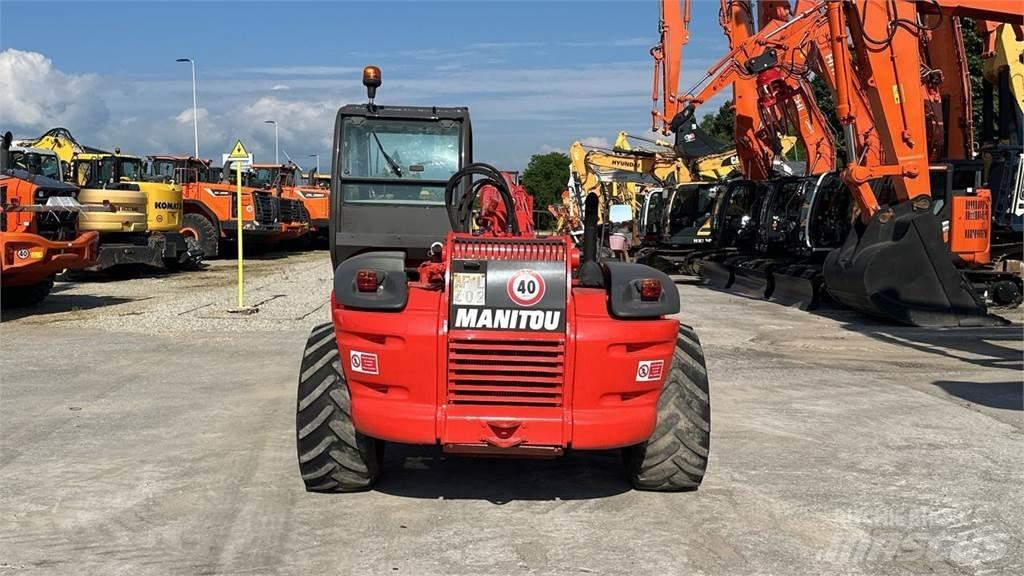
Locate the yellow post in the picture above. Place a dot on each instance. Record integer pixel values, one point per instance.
(238, 206)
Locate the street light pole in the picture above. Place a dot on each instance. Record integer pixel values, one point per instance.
(317, 156)
(195, 103)
(277, 159)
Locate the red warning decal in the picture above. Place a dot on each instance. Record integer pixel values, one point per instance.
(364, 362)
(525, 287)
(650, 370)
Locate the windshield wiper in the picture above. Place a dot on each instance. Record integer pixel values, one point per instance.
(391, 161)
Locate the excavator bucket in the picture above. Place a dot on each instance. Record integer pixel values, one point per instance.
(898, 268)
(798, 286)
(691, 140)
(752, 279)
(716, 269)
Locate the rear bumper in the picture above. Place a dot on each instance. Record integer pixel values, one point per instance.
(291, 231)
(250, 227)
(606, 403)
(29, 258)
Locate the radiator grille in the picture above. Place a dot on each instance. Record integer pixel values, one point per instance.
(508, 249)
(506, 372)
(267, 208)
(292, 211)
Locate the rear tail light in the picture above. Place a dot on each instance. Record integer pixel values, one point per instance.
(366, 281)
(650, 290)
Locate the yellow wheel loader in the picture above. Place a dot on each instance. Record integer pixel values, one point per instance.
(144, 226)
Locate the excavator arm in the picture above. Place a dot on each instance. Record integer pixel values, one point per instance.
(755, 155)
(674, 28)
(773, 61)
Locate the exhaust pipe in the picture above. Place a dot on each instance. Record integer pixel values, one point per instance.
(590, 228)
(591, 274)
(5, 154)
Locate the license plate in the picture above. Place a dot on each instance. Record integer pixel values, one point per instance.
(468, 289)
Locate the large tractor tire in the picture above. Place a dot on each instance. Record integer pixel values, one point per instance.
(675, 457)
(25, 296)
(333, 456)
(200, 233)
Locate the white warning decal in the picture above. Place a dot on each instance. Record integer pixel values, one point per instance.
(364, 362)
(650, 370)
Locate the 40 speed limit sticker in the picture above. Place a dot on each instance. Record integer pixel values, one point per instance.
(525, 287)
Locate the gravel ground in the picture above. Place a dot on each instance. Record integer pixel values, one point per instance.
(290, 291)
(145, 430)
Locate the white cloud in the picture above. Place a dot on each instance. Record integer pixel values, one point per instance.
(186, 115)
(596, 141)
(301, 123)
(280, 87)
(35, 96)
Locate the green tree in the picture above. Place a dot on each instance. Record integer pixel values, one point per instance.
(719, 125)
(976, 66)
(826, 103)
(545, 178)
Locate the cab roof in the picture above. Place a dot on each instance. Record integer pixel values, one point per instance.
(178, 158)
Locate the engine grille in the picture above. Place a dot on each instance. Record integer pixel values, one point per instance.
(267, 209)
(292, 211)
(506, 372)
(508, 249)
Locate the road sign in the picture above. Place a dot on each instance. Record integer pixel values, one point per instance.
(238, 152)
(239, 157)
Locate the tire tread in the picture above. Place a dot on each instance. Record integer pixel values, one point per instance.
(333, 456)
(675, 457)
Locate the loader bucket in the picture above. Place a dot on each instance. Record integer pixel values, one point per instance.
(898, 268)
(751, 281)
(799, 287)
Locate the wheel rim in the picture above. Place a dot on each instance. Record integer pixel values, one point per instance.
(191, 238)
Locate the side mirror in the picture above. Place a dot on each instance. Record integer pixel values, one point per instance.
(620, 213)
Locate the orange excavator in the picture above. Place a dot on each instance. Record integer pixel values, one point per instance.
(894, 263)
(903, 103)
(756, 156)
(770, 99)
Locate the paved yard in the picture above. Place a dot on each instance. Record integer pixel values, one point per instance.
(144, 430)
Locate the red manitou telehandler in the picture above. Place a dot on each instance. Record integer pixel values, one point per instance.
(454, 325)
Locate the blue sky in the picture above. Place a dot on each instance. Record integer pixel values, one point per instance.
(536, 75)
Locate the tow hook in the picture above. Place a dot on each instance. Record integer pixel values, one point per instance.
(504, 434)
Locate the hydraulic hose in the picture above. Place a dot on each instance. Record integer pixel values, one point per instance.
(460, 214)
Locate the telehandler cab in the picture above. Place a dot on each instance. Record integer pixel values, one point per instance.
(454, 325)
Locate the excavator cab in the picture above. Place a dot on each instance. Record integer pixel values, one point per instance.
(688, 216)
(737, 213)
